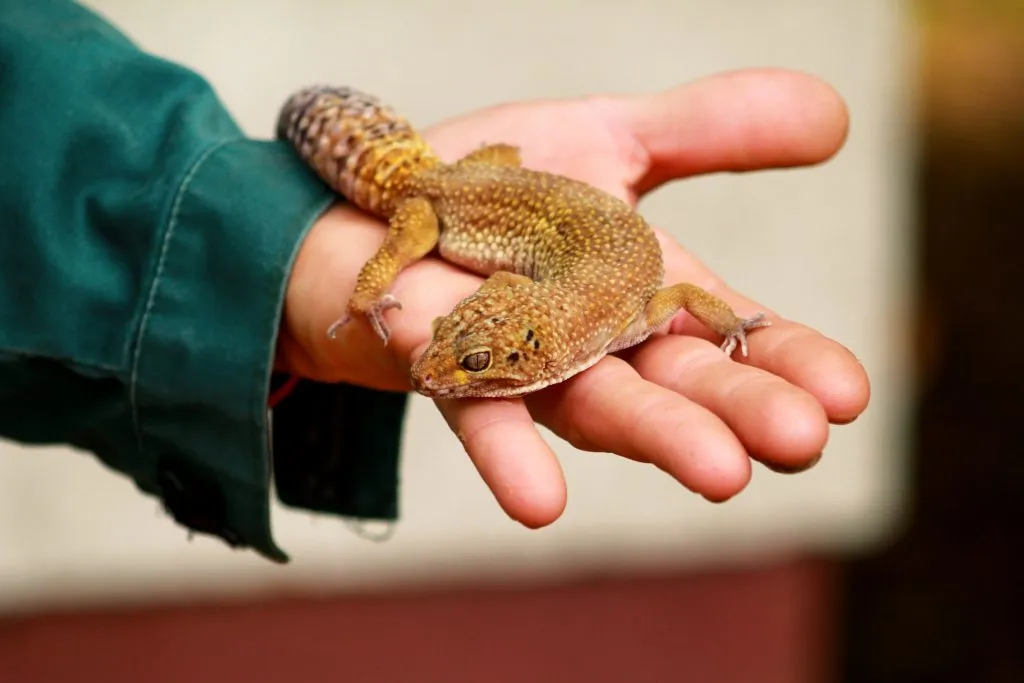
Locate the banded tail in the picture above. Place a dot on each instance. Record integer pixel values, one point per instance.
(356, 144)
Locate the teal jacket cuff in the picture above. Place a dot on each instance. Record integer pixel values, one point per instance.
(145, 248)
(201, 368)
(335, 447)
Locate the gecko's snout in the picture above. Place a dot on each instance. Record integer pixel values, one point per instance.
(424, 383)
(429, 383)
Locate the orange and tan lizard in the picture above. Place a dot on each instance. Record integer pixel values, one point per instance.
(572, 273)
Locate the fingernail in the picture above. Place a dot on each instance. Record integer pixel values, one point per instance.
(716, 501)
(779, 468)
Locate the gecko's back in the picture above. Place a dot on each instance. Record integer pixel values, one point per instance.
(493, 216)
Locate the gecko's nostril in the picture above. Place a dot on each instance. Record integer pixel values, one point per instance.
(427, 379)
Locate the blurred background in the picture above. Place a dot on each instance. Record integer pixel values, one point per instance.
(898, 559)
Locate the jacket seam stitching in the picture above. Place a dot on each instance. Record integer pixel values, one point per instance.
(172, 223)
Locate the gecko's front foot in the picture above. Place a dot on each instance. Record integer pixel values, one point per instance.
(738, 334)
(372, 310)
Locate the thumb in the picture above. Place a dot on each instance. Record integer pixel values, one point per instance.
(735, 121)
(321, 283)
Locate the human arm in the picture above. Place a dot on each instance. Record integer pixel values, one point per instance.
(779, 414)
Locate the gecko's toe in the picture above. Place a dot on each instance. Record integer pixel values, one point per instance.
(376, 316)
(388, 301)
(738, 335)
(379, 326)
(332, 331)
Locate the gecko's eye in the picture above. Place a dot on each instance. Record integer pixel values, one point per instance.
(477, 360)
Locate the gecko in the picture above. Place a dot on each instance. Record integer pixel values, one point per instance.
(572, 273)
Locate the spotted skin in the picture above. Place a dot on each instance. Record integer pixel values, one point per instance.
(572, 273)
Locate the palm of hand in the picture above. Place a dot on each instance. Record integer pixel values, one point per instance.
(676, 402)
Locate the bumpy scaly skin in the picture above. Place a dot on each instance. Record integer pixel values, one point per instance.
(574, 273)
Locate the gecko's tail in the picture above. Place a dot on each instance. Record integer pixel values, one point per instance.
(347, 136)
(301, 107)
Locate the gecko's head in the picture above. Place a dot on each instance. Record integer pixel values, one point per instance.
(491, 345)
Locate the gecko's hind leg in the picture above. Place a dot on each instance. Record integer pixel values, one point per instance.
(707, 308)
(412, 233)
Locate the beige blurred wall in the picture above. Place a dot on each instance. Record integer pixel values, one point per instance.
(827, 245)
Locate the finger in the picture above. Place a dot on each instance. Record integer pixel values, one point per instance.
(821, 366)
(655, 425)
(796, 353)
(736, 121)
(511, 456)
(778, 423)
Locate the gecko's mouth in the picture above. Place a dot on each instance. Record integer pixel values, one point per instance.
(429, 386)
(425, 385)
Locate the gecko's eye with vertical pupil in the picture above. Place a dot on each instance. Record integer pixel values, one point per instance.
(476, 361)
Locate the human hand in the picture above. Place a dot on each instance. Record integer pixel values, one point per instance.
(676, 401)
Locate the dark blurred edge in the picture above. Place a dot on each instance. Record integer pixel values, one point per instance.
(945, 603)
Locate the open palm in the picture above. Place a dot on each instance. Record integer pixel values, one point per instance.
(677, 401)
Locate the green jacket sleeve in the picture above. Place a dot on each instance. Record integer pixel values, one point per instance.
(145, 246)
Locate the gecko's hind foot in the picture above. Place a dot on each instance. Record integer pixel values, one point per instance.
(738, 335)
(372, 311)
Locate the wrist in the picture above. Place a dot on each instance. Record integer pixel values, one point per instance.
(322, 278)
